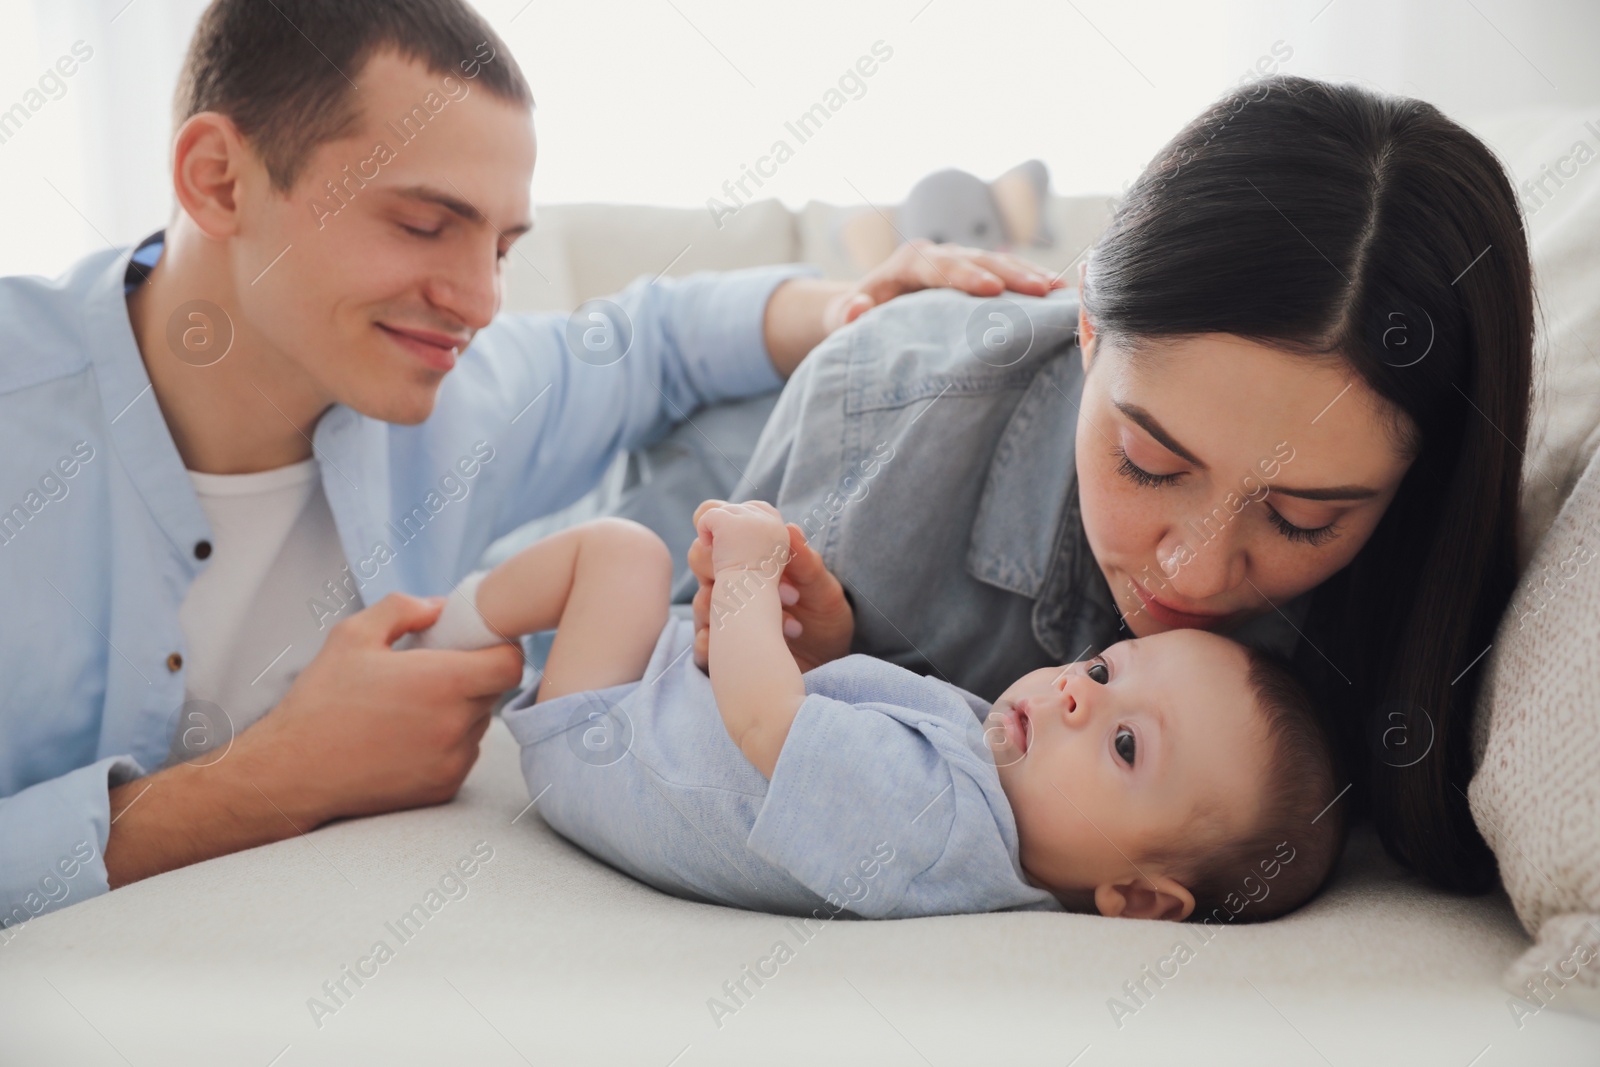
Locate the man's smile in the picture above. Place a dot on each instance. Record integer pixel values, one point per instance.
(437, 350)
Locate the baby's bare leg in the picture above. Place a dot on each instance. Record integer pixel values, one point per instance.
(602, 585)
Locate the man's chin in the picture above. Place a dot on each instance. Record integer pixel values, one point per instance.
(413, 414)
(403, 407)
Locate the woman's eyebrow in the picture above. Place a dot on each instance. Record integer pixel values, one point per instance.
(1150, 426)
(1335, 492)
(1148, 422)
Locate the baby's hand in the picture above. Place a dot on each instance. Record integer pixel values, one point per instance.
(748, 536)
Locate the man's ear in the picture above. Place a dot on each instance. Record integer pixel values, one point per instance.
(209, 159)
(1157, 898)
(1085, 326)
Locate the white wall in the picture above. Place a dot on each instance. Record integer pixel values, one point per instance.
(662, 101)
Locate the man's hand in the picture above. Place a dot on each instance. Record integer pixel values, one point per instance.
(376, 730)
(802, 312)
(364, 729)
(817, 621)
(921, 264)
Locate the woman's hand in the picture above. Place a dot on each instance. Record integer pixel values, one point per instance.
(817, 621)
(754, 675)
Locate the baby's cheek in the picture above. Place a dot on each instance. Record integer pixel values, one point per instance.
(1055, 830)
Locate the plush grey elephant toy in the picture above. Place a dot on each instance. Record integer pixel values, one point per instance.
(957, 207)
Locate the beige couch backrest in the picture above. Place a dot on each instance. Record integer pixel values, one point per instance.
(580, 251)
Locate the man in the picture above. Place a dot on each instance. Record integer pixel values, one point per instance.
(220, 447)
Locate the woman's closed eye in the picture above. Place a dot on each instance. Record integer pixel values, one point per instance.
(1320, 535)
(1137, 474)
(1315, 537)
(1126, 744)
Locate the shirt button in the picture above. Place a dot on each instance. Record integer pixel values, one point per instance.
(202, 549)
(174, 662)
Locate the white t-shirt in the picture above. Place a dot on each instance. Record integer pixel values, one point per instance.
(259, 610)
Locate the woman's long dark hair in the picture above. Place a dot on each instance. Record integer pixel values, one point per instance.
(1331, 219)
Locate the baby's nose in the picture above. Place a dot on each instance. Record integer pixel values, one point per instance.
(1062, 704)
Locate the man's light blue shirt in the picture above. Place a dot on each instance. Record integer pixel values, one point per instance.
(101, 532)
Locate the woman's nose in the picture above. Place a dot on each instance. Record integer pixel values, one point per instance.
(1203, 567)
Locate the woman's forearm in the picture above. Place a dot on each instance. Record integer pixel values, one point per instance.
(753, 674)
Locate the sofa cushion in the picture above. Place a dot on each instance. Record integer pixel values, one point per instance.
(1536, 794)
(609, 245)
(1075, 222)
(536, 276)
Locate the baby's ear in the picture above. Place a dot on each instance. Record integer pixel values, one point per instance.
(1140, 898)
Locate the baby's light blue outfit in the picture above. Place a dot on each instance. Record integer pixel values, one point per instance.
(885, 801)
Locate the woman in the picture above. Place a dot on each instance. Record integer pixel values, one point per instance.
(1297, 416)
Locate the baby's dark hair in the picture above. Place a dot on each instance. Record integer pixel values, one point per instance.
(1297, 838)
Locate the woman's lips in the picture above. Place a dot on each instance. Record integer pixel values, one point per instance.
(1170, 616)
(437, 350)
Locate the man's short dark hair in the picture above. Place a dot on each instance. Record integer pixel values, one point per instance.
(286, 71)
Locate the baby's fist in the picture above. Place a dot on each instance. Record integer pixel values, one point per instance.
(748, 536)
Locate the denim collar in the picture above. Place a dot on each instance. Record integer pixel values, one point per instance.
(1033, 477)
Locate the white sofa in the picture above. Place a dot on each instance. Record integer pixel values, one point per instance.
(553, 958)
(543, 955)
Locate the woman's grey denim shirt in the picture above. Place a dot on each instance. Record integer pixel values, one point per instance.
(927, 451)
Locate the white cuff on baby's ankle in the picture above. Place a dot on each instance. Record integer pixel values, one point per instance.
(460, 626)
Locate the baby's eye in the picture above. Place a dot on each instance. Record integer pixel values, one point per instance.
(1126, 744)
(1098, 671)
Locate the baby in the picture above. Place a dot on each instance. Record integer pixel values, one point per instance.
(1177, 776)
